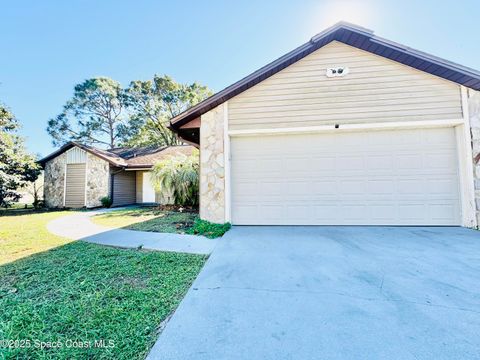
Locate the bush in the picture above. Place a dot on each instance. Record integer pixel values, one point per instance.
(38, 204)
(106, 201)
(178, 175)
(208, 229)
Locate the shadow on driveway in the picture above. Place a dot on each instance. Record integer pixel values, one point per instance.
(332, 293)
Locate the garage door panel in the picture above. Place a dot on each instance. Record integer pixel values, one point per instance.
(408, 161)
(326, 211)
(299, 164)
(441, 187)
(383, 212)
(377, 178)
(323, 164)
(322, 188)
(381, 187)
(271, 188)
(297, 212)
(440, 161)
(379, 163)
(269, 165)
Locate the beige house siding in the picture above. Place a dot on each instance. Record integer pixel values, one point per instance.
(75, 186)
(375, 90)
(98, 179)
(124, 188)
(54, 177)
(139, 187)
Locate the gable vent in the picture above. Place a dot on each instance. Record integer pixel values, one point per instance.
(337, 71)
(76, 156)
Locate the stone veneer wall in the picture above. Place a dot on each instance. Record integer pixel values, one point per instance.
(474, 113)
(53, 182)
(212, 162)
(97, 180)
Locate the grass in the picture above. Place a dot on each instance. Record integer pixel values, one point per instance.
(78, 293)
(148, 219)
(24, 233)
(16, 206)
(18, 209)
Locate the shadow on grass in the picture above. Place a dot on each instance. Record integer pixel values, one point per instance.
(162, 221)
(29, 211)
(83, 292)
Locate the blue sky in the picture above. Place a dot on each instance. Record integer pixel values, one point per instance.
(49, 46)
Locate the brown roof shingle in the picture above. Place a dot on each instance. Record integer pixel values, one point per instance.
(138, 157)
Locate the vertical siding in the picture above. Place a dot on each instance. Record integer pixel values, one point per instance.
(375, 90)
(75, 186)
(76, 156)
(124, 188)
(139, 187)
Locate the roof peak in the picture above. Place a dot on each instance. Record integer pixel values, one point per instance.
(349, 34)
(341, 25)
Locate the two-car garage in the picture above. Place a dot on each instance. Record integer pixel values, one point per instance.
(392, 177)
(346, 129)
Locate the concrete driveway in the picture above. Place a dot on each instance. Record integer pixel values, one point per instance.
(332, 293)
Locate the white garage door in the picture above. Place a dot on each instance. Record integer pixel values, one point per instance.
(394, 177)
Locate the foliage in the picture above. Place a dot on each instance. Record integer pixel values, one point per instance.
(154, 102)
(17, 166)
(120, 295)
(106, 201)
(95, 115)
(35, 188)
(208, 229)
(178, 175)
(148, 219)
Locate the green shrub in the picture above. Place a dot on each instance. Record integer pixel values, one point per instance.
(208, 229)
(178, 175)
(106, 201)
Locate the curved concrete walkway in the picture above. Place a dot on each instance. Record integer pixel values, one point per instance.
(78, 226)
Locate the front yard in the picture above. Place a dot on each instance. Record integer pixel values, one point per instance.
(148, 219)
(24, 233)
(81, 300)
(161, 220)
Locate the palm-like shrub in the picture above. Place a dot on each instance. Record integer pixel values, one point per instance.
(178, 175)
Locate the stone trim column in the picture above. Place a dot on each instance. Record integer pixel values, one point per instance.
(474, 114)
(212, 166)
(53, 182)
(96, 181)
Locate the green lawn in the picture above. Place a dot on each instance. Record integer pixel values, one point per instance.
(78, 293)
(148, 219)
(23, 233)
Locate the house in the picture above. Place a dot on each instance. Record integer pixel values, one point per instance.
(349, 128)
(77, 175)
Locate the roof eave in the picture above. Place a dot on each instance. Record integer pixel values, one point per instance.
(72, 144)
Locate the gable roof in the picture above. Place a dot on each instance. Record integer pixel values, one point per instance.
(145, 157)
(131, 158)
(349, 34)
